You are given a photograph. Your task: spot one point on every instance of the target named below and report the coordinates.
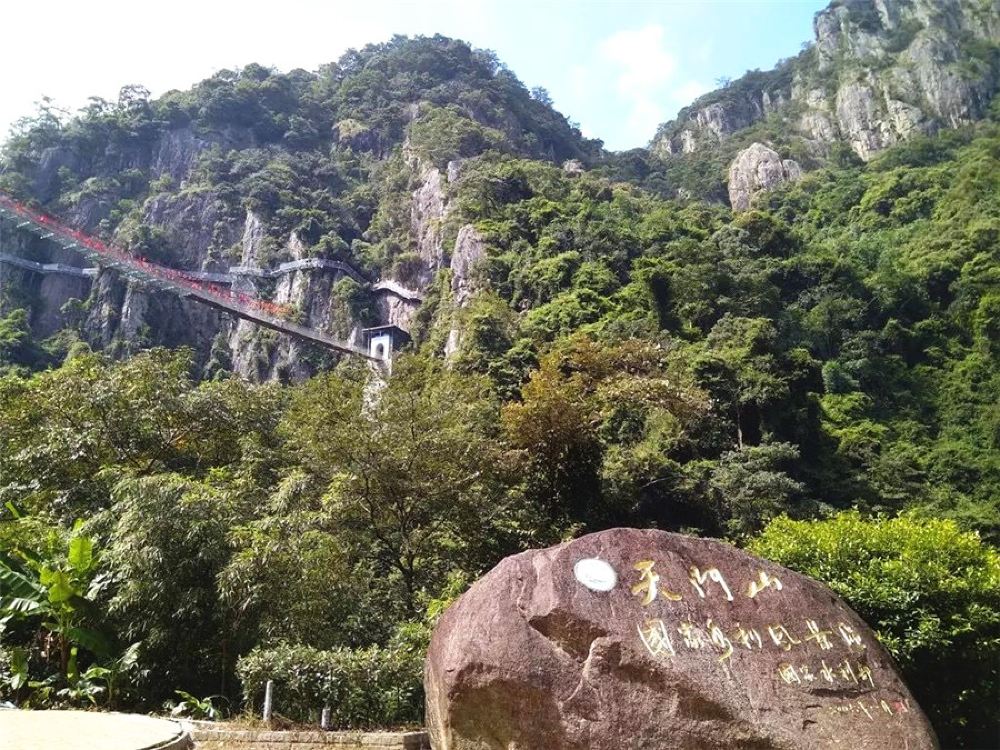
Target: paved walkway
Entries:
(83, 730)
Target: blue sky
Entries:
(616, 68)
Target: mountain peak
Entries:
(878, 72)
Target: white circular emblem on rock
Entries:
(595, 574)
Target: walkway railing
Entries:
(60, 268)
(177, 282)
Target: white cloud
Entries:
(640, 53)
(688, 92)
(644, 69)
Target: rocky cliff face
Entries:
(879, 72)
(470, 249)
(120, 316)
(252, 174)
(427, 213)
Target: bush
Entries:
(932, 595)
(369, 687)
(441, 135)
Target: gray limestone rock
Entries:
(176, 153)
(454, 169)
(426, 215)
(189, 221)
(252, 241)
(858, 117)
(469, 250)
(758, 168)
(880, 71)
(396, 311)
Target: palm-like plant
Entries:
(59, 592)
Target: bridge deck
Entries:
(60, 268)
(165, 279)
(233, 273)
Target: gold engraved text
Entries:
(699, 580)
(822, 637)
(649, 584)
(781, 637)
(656, 639)
(764, 581)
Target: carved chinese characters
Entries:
(643, 639)
(801, 668)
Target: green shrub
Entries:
(931, 593)
(370, 687)
(443, 134)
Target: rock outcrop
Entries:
(469, 251)
(427, 213)
(629, 639)
(326, 153)
(191, 222)
(758, 168)
(880, 71)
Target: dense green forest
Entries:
(817, 379)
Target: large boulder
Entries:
(644, 639)
(758, 168)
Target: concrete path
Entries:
(80, 730)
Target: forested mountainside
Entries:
(253, 168)
(593, 345)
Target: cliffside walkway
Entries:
(60, 268)
(234, 272)
(394, 287)
(181, 283)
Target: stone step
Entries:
(208, 736)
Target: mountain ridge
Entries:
(593, 345)
(878, 72)
(254, 167)
(375, 160)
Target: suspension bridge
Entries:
(205, 288)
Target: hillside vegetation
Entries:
(818, 378)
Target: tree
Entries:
(291, 578)
(594, 428)
(408, 470)
(57, 591)
(18, 351)
(553, 429)
(143, 415)
(443, 134)
(750, 486)
(133, 98)
(741, 370)
(541, 94)
(168, 543)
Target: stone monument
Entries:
(629, 639)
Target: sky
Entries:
(618, 69)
